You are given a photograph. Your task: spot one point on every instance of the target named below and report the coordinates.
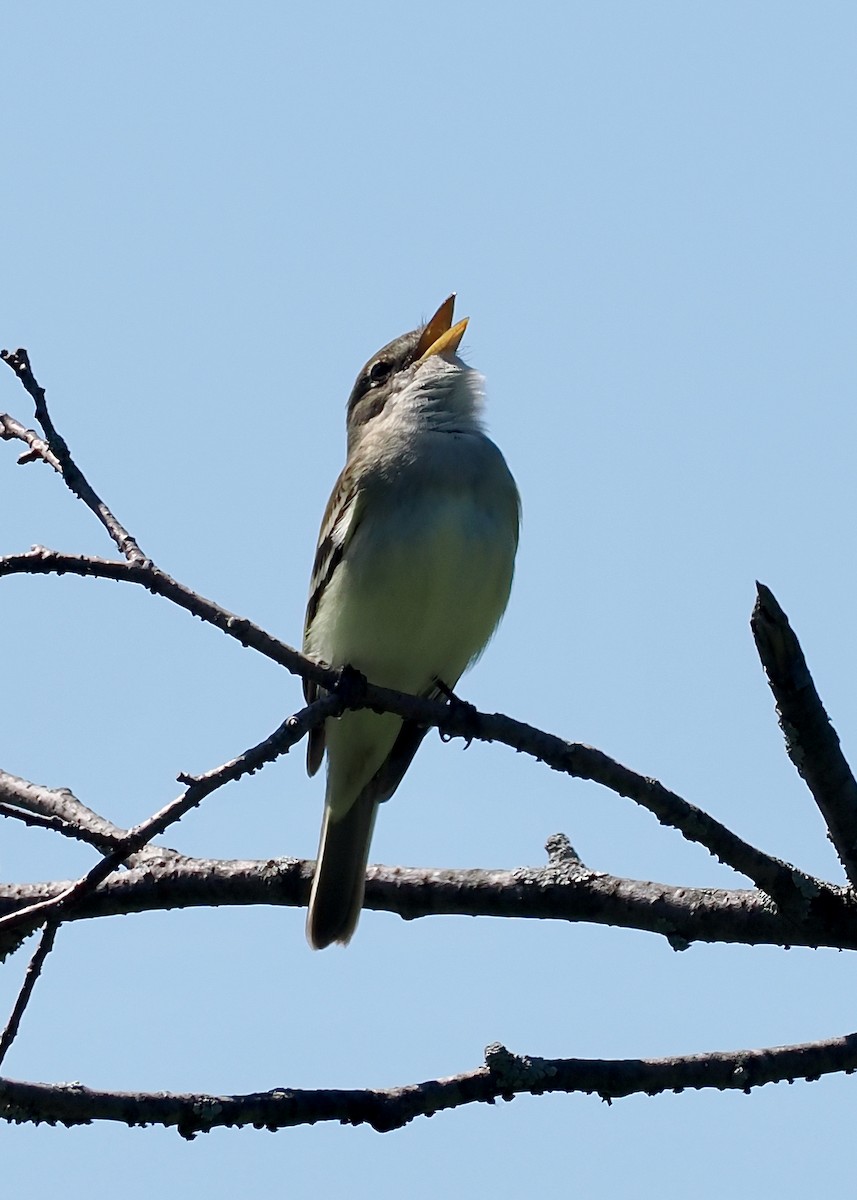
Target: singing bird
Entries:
(412, 574)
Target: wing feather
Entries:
(341, 518)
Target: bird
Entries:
(412, 574)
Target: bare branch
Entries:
(504, 1076)
(811, 740)
(46, 943)
(291, 731)
(559, 891)
(57, 907)
(59, 810)
(787, 886)
(12, 430)
(41, 561)
(54, 824)
(74, 478)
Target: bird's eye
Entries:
(379, 370)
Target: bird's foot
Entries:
(463, 710)
(350, 686)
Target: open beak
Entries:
(440, 336)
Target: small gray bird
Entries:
(412, 574)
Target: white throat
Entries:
(438, 395)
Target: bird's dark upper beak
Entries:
(439, 335)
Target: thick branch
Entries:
(682, 915)
(811, 740)
(504, 1076)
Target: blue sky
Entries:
(212, 215)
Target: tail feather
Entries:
(389, 775)
(340, 874)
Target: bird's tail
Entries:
(340, 873)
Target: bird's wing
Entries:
(340, 520)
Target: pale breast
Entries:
(426, 576)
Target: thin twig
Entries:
(811, 741)
(41, 561)
(59, 810)
(12, 430)
(74, 478)
(33, 821)
(32, 973)
(288, 734)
